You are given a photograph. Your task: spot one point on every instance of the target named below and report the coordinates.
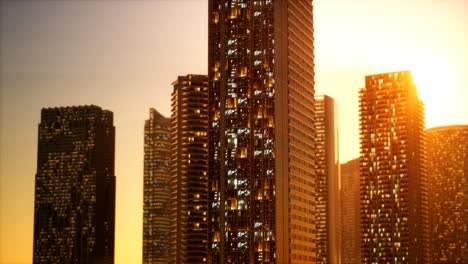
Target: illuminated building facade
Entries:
(394, 223)
(327, 181)
(156, 189)
(261, 132)
(447, 156)
(189, 184)
(75, 186)
(350, 213)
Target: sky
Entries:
(124, 55)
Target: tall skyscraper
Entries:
(392, 171)
(75, 186)
(350, 213)
(262, 136)
(189, 185)
(447, 156)
(156, 189)
(328, 212)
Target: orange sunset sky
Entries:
(124, 55)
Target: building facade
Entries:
(350, 213)
(261, 132)
(75, 186)
(189, 169)
(328, 209)
(394, 221)
(447, 156)
(156, 189)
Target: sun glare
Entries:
(431, 79)
(435, 81)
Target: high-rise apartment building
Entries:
(75, 186)
(447, 171)
(328, 212)
(189, 184)
(350, 213)
(156, 189)
(261, 132)
(392, 171)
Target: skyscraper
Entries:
(262, 136)
(328, 212)
(156, 189)
(189, 184)
(350, 213)
(392, 171)
(447, 156)
(75, 186)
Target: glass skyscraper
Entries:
(327, 181)
(261, 202)
(75, 186)
(350, 213)
(156, 189)
(392, 171)
(447, 167)
(189, 169)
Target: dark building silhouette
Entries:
(327, 181)
(350, 213)
(189, 173)
(394, 221)
(261, 132)
(75, 186)
(156, 189)
(447, 167)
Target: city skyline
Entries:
(63, 70)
